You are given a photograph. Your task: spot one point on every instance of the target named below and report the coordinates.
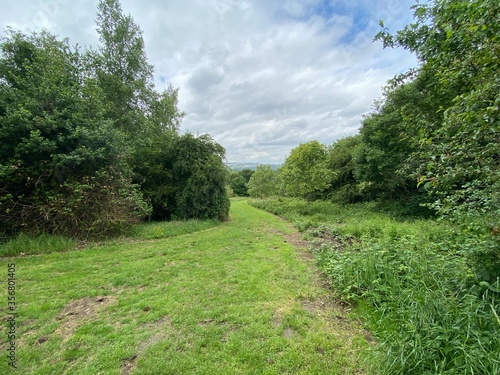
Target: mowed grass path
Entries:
(238, 298)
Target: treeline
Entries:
(428, 290)
(433, 138)
(88, 146)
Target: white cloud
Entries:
(259, 76)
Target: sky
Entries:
(259, 76)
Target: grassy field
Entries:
(240, 297)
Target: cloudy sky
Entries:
(260, 76)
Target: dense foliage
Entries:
(458, 43)
(63, 165)
(411, 282)
(238, 181)
(87, 146)
(430, 145)
(264, 182)
(304, 173)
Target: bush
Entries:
(94, 207)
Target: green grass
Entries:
(429, 292)
(46, 243)
(156, 230)
(43, 244)
(235, 298)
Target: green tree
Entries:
(264, 182)
(389, 135)
(247, 174)
(458, 43)
(340, 160)
(238, 181)
(304, 173)
(122, 69)
(126, 77)
(150, 119)
(238, 184)
(200, 178)
(185, 178)
(57, 150)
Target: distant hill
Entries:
(252, 166)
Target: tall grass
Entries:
(415, 284)
(24, 244)
(43, 244)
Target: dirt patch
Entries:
(296, 239)
(327, 307)
(128, 364)
(328, 235)
(81, 311)
(288, 333)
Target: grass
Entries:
(157, 230)
(429, 292)
(46, 243)
(43, 244)
(234, 298)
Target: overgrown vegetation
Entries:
(417, 284)
(88, 147)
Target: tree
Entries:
(458, 43)
(150, 119)
(57, 150)
(200, 179)
(238, 181)
(121, 67)
(247, 174)
(263, 182)
(185, 178)
(340, 160)
(304, 173)
(238, 184)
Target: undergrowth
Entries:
(427, 290)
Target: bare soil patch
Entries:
(81, 311)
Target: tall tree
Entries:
(340, 160)
(389, 135)
(458, 43)
(123, 71)
(57, 149)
